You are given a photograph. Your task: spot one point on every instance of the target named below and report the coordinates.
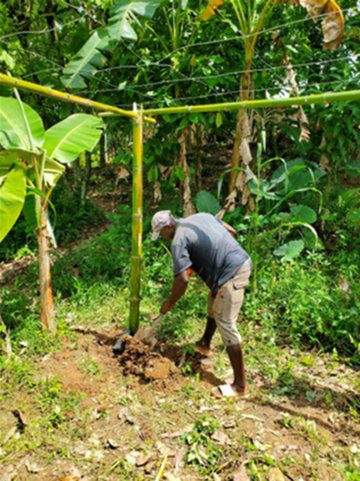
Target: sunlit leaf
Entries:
(13, 131)
(290, 250)
(12, 197)
(68, 138)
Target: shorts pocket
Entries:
(240, 284)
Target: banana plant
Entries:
(251, 16)
(123, 13)
(30, 166)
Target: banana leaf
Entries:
(24, 159)
(13, 132)
(67, 139)
(12, 197)
(89, 57)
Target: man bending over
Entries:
(207, 246)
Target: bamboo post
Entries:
(136, 243)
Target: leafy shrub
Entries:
(71, 216)
(16, 239)
(307, 304)
(341, 217)
(70, 219)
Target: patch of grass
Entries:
(89, 365)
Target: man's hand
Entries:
(166, 307)
(179, 287)
(229, 229)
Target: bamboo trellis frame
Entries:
(138, 118)
(57, 94)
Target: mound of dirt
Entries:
(138, 359)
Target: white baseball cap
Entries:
(160, 220)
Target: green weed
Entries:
(202, 450)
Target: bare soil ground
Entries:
(82, 413)
(151, 415)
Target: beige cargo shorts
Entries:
(225, 307)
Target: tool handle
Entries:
(158, 319)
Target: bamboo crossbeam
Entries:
(49, 92)
(136, 236)
(253, 104)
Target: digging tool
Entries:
(119, 346)
(142, 334)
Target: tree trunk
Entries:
(199, 144)
(85, 177)
(67, 185)
(82, 176)
(241, 148)
(77, 173)
(47, 311)
(103, 149)
(185, 192)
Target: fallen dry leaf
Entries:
(290, 447)
(251, 416)
(354, 449)
(142, 459)
(229, 424)
(149, 467)
(10, 434)
(219, 437)
(98, 455)
(21, 417)
(131, 459)
(32, 467)
(171, 477)
(276, 475)
(113, 443)
(179, 457)
(94, 439)
(128, 417)
(239, 475)
(72, 477)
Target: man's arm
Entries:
(179, 287)
(229, 228)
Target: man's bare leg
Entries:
(204, 343)
(237, 361)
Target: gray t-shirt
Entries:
(202, 243)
